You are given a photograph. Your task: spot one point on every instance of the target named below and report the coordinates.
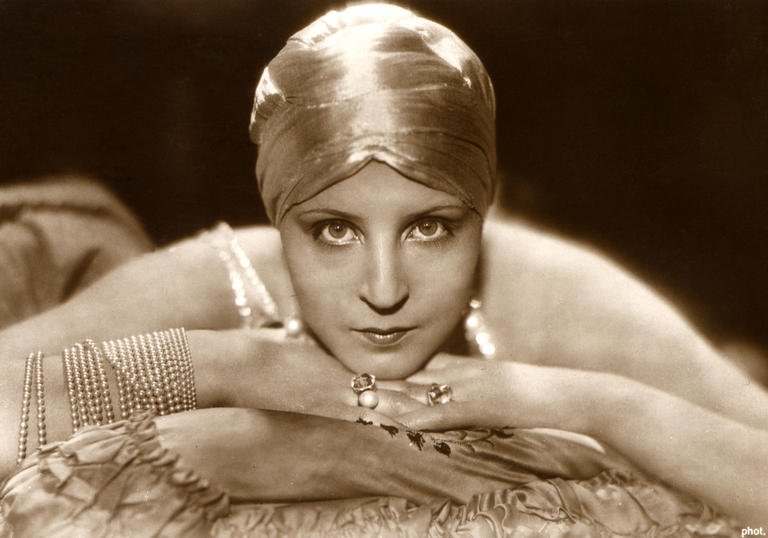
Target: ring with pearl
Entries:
(364, 385)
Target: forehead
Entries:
(378, 187)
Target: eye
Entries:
(336, 232)
(428, 230)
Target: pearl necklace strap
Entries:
(244, 280)
(476, 331)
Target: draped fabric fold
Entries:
(118, 480)
(58, 235)
(113, 480)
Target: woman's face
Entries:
(382, 268)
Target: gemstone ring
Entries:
(439, 394)
(364, 386)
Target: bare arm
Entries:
(553, 302)
(717, 459)
(57, 415)
(260, 369)
(720, 460)
(273, 457)
(184, 285)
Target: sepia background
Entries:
(638, 127)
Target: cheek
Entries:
(321, 282)
(442, 298)
(445, 278)
(319, 293)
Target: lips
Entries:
(383, 337)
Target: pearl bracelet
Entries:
(33, 370)
(42, 436)
(154, 371)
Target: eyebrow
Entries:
(349, 216)
(334, 212)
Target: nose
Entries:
(385, 287)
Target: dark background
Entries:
(639, 127)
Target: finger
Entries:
(393, 403)
(440, 417)
(413, 390)
(420, 392)
(398, 385)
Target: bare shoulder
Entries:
(550, 295)
(517, 255)
(525, 247)
(556, 302)
(262, 242)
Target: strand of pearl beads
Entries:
(476, 331)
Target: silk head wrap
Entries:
(374, 82)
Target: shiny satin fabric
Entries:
(374, 82)
(119, 480)
(58, 235)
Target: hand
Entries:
(498, 394)
(265, 369)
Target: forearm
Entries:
(209, 352)
(273, 456)
(269, 456)
(686, 365)
(718, 460)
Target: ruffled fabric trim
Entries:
(114, 480)
(613, 503)
(364, 517)
(117, 480)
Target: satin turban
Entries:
(374, 82)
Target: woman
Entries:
(377, 168)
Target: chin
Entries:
(384, 365)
